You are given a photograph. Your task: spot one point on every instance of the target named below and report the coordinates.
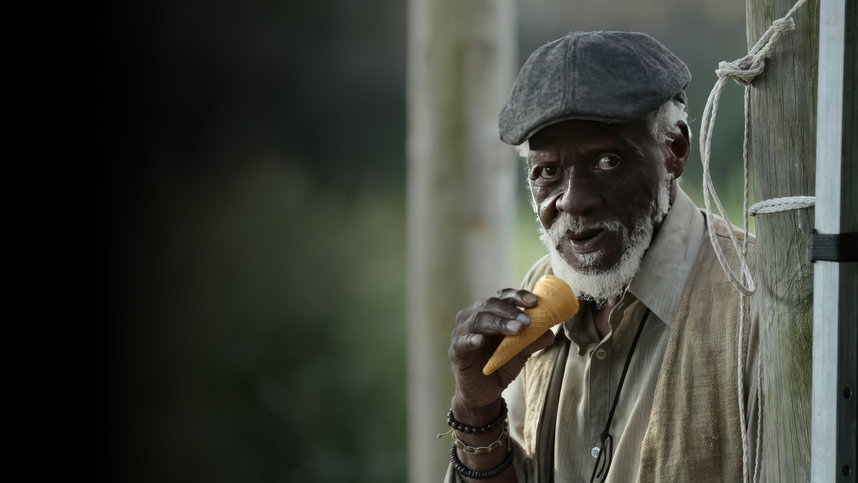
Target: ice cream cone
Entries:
(556, 303)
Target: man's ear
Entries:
(679, 149)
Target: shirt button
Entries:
(601, 354)
(595, 452)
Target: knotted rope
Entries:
(743, 71)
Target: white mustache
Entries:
(567, 223)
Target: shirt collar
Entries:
(664, 269)
(668, 261)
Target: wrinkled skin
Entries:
(599, 172)
(479, 330)
(593, 170)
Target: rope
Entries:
(782, 204)
(743, 71)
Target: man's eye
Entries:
(607, 163)
(548, 172)
(545, 172)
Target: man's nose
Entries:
(580, 196)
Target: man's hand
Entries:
(479, 330)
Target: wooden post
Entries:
(460, 195)
(782, 155)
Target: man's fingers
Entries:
(504, 308)
(465, 344)
(491, 324)
(491, 316)
(519, 297)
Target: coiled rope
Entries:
(743, 71)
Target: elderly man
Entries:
(654, 379)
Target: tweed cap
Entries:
(596, 76)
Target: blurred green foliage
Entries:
(266, 334)
(257, 183)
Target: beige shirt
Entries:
(578, 401)
(594, 365)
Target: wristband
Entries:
(475, 474)
(478, 429)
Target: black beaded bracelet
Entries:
(479, 475)
(477, 429)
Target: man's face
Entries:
(599, 190)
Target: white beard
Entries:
(604, 286)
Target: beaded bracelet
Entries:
(477, 429)
(475, 474)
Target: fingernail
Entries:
(523, 318)
(514, 326)
(530, 298)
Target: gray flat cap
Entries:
(596, 76)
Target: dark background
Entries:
(254, 235)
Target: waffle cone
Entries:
(557, 303)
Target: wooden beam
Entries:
(781, 151)
(460, 195)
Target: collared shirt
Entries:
(578, 404)
(594, 364)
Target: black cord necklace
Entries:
(607, 441)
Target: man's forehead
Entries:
(596, 76)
